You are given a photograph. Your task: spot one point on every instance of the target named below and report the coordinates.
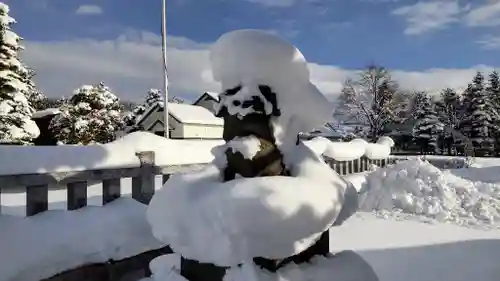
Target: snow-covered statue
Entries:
(267, 199)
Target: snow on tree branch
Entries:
(16, 126)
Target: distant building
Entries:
(208, 100)
(185, 122)
(42, 119)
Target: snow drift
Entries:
(417, 187)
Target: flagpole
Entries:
(165, 77)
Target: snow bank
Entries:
(376, 151)
(64, 158)
(169, 151)
(271, 217)
(419, 188)
(348, 151)
(317, 144)
(38, 247)
(118, 154)
(344, 151)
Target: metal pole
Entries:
(165, 77)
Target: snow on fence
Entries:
(36, 186)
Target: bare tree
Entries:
(371, 100)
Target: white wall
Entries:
(190, 131)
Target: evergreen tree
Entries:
(35, 97)
(16, 126)
(477, 121)
(448, 110)
(493, 92)
(153, 97)
(427, 128)
(92, 115)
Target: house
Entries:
(207, 100)
(42, 119)
(185, 121)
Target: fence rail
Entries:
(76, 183)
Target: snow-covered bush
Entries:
(92, 115)
(16, 126)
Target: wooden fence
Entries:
(143, 181)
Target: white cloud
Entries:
(131, 64)
(489, 42)
(485, 15)
(89, 10)
(274, 3)
(429, 16)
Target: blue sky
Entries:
(412, 37)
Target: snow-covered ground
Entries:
(398, 246)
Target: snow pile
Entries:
(317, 144)
(348, 151)
(169, 151)
(419, 188)
(345, 151)
(65, 158)
(250, 60)
(271, 217)
(114, 155)
(39, 247)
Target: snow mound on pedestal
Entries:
(418, 188)
(250, 58)
(227, 223)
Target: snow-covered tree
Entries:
(130, 119)
(16, 126)
(448, 110)
(35, 97)
(493, 92)
(477, 120)
(155, 96)
(369, 100)
(92, 115)
(427, 128)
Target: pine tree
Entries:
(427, 128)
(16, 126)
(448, 111)
(493, 92)
(477, 122)
(153, 97)
(35, 97)
(92, 115)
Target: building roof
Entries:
(186, 114)
(45, 113)
(210, 95)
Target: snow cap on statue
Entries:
(243, 54)
(249, 57)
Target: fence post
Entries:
(37, 197)
(77, 195)
(143, 184)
